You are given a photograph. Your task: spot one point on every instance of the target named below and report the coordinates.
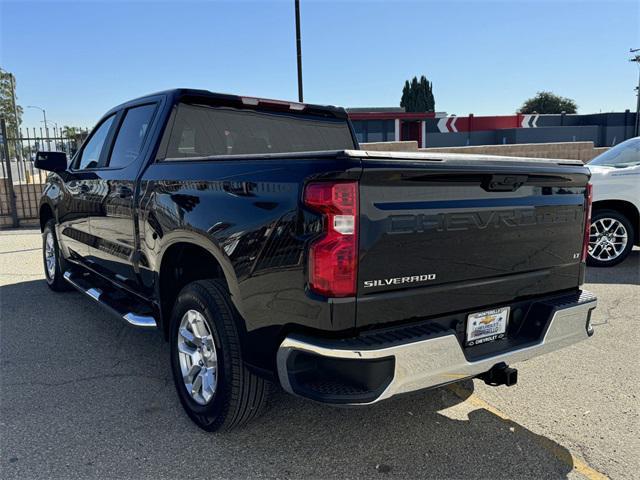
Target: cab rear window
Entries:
(204, 131)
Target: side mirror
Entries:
(51, 161)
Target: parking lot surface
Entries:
(84, 396)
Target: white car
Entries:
(615, 176)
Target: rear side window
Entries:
(201, 131)
(131, 135)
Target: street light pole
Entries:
(46, 127)
(44, 113)
(636, 59)
(299, 51)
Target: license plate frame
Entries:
(487, 326)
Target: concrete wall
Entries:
(410, 146)
(584, 151)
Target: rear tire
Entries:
(606, 221)
(210, 349)
(54, 264)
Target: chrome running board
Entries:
(82, 282)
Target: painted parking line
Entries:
(561, 454)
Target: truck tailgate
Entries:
(453, 233)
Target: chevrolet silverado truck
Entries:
(266, 247)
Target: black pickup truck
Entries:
(266, 247)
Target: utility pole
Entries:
(636, 59)
(299, 51)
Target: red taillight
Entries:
(587, 220)
(333, 258)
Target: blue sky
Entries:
(79, 59)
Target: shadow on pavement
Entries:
(627, 272)
(84, 395)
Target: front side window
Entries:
(131, 135)
(202, 131)
(90, 157)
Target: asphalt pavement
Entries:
(84, 396)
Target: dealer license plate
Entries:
(487, 326)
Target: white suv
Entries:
(615, 223)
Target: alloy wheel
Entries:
(198, 357)
(50, 255)
(607, 239)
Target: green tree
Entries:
(431, 100)
(406, 95)
(70, 132)
(76, 136)
(7, 108)
(417, 95)
(548, 102)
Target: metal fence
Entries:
(20, 182)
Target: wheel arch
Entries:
(627, 209)
(45, 214)
(187, 257)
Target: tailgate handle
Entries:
(504, 183)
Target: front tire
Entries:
(611, 238)
(52, 259)
(215, 388)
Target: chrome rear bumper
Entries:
(440, 360)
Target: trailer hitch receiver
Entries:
(500, 374)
